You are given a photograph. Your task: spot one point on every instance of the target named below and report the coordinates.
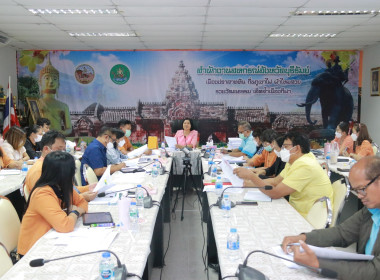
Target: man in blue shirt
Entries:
(95, 154)
(248, 146)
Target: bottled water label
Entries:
(231, 245)
(226, 206)
(106, 274)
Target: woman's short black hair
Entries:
(344, 127)
(58, 171)
(280, 141)
(32, 129)
(117, 132)
(191, 123)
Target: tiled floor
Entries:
(184, 258)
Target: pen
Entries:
(292, 244)
(103, 225)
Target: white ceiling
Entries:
(190, 24)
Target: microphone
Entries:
(162, 168)
(138, 169)
(148, 201)
(220, 198)
(246, 272)
(120, 271)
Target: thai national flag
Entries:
(10, 118)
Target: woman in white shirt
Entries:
(13, 145)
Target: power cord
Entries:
(133, 275)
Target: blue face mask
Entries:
(128, 132)
(268, 148)
(241, 136)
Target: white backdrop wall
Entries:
(8, 68)
(370, 106)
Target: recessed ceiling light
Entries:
(101, 34)
(302, 35)
(73, 11)
(335, 13)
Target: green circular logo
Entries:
(120, 74)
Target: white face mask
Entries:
(109, 145)
(38, 138)
(121, 143)
(354, 136)
(285, 154)
(277, 153)
(338, 134)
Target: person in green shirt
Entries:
(303, 179)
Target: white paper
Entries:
(330, 253)
(10, 172)
(256, 195)
(106, 200)
(138, 152)
(171, 141)
(2, 178)
(278, 251)
(228, 173)
(231, 159)
(105, 181)
(132, 162)
(211, 188)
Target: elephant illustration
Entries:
(336, 100)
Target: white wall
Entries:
(370, 107)
(8, 68)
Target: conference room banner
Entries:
(82, 90)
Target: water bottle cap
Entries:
(225, 196)
(233, 230)
(133, 203)
(139, 186)
(219, 178)
(106, 255)
(328, 157)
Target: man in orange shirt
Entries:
(53, 141)
(126, 127)
(268, 156)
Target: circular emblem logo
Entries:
(120, 74)
(84, 74)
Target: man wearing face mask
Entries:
(114, 155)
(268, 156)
(126, 127)
(303, 179)
(95, 155)
(248, 146)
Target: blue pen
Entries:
(103, 225)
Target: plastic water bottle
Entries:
(106, 266)
(233, 245)
(154, 171)
(82, 146)
(212, 153)
(226, 206)
(134, 217)
(214, 171)
(163, 153)
(328, 163)
(24, 168)
(218, 186)
(139, 197)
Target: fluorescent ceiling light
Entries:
(101, 34)
(335, 12)
(73, 11)
(302, 35)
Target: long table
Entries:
(139, 252)
(260, 227)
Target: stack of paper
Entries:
(234, 143)
(256, 196)
(234, 159)
(171, 141)
(10, 172)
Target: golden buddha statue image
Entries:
(51, 108)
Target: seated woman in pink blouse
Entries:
(186, 137)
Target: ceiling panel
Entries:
(177, 27)
(95, 28)
(162, 11)
(218, 28)
(232, 20)
(259, 3)
(34, 27)
(167, 34)
(173, 3)
(165, 20)
(249, 11)
(14, 11)
(19, 19)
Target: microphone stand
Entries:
(220, 198)
(148, 201)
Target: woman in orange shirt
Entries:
(52, 202)
(345, 142)
(363, 146)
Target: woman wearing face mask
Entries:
(344, 140)
(114, 155)
(13, 147)
(33, 136)
(186, 137)
(276, 168)
(362, 140)
(268, 156)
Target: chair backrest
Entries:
(9, 225)
(375, 148)
(90, 175)
(26, 192)
(320, 214)
(5, 260)
(340, 196)
(77, 176)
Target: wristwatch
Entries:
(75, 212)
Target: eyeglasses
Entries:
(362, 191)
(286, 145)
